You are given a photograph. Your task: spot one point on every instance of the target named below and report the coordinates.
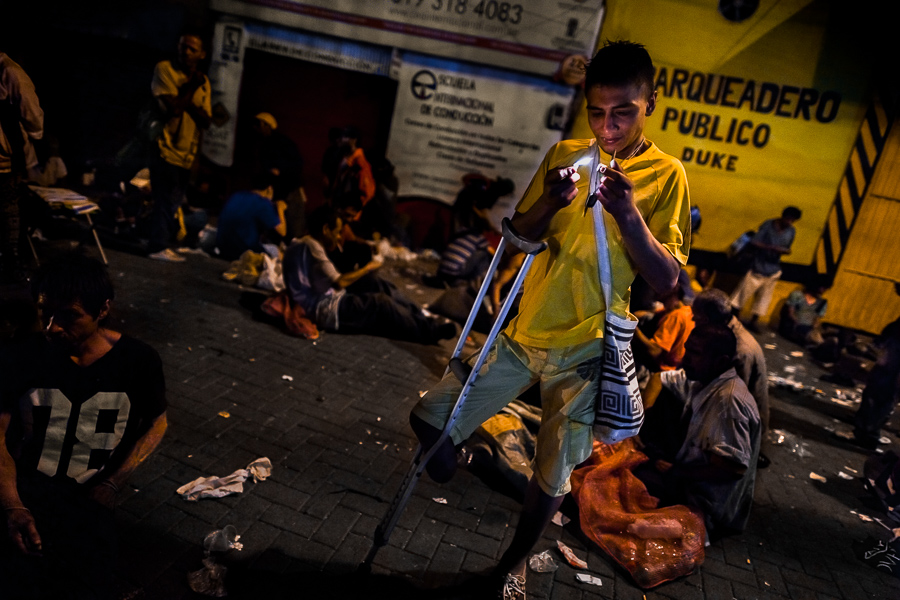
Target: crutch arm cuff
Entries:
(527, 246)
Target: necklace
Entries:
(637, 149)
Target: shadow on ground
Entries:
(252, 583)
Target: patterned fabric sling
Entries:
(619, 410)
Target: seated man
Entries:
(81, 406)
(801, 314)
(666, 348)
(246, 216)
(712, 306)
(715, 467)
(468, 255)
(331, 301)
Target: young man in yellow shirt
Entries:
(184, 96)
(557, 338)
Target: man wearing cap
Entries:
(278, 155)
(184, 95)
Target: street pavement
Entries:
(331, 415)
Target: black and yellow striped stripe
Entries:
(852, 190)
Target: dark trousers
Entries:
(879, 397)
(10, 224)
(78, 540)
(377, 308)
(168, 184)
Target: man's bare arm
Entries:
(145, 445)
(184, 102)
(658, 267)
(348, 279)
(20, 524)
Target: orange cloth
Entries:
(653, 544)
(366, 179)
(671, 334)
(295, 320)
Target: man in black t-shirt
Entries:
(80, 408)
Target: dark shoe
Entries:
(445, 331)
(838, 379)
(435, 282)
(763, 461)
(850, 438)
(884, 556)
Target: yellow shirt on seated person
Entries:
(563, 303)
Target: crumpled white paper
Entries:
(218, 487)
(586, 578)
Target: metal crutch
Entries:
(466, 376)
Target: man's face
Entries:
(616, 115)
(333, 236)
(190, 51)
(699, 319)
(263, 128)
(68, 325)
(697, 364)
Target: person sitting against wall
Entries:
(802, 313)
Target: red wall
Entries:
(307, 99)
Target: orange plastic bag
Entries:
(653, 544)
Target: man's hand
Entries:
(663, 466)
(616, 191)
(195, 81)
(559, 186)
(559, 191)
(22, 531)
(104, 495)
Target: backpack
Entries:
(741, 253)
(138, 151)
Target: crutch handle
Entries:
(527, 246)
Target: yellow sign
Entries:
(763, 112)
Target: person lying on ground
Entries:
(357, 302)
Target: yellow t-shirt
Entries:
(181, 137)
(563, 303)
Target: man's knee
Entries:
(442, 465)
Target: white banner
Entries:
(341, 54)
(452, 119)
(225, 71)
(526, 35)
